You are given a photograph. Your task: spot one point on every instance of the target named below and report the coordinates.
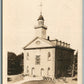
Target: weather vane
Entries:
(41, 7)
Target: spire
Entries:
(41, 16)
(41, 28)
(41, 7)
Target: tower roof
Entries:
(41, 17)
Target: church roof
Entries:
(44, 40)
(46, 43)
(41, 17)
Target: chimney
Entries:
(48, 38)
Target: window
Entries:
(27, 56)
(37, 42)
(49, 56)
(32, 71)
(27, 69)
(48, 68)
(37, 59)
(48, 71)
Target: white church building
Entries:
(41, 54)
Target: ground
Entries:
(19, 80)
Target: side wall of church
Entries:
(63, 62)
(39, 62)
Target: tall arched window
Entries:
(33, 71)
(27, 56)
(49, 56)
(48, 72)
(27, 70)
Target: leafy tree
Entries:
(15, 63)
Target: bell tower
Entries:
(40, 29)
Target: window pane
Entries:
(27, 69)
(27, 56)
(38, 59)
(49, 56)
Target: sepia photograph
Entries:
(42, 42)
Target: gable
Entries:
(38, 42)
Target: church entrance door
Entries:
(42, 72)
(32, 71)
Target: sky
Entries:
(62, 17)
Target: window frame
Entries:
(48, 71)
(37, 60)
(27, 70)
(27, 56)
(49, 56)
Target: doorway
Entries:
(42, 71)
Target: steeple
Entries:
(41, 5)
(41, 28)
(41, 18)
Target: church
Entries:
(47, 58)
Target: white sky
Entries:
(63, 18)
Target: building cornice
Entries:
(48, 48)
(40, 27)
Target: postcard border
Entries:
(83, 39)
(0, 41)
(1, 8)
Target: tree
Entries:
(15, 63)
